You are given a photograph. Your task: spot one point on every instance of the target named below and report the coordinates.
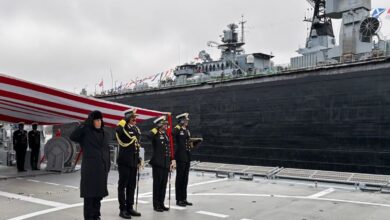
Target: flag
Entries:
(29, 102)
(377, 12)
(388, 14)
(166, 74)
(120, 86)
(129, 84)
(156, 76)
(101, 83)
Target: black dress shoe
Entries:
(188, 203)
(125, 215)
(164, 208)
(96, 218)
(158, 209)
(132, 212)
(181, 203)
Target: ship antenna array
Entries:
(242, 23)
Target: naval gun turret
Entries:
(357, 34)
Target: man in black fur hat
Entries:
(95, 164)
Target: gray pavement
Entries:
(57, 197)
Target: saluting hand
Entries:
(173, 165)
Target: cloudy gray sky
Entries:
(71, 44)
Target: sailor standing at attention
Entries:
(182, 136)
(161, 162)
(34, 143)
(128, 137)
(20, 146)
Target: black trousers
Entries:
(34, 158)
(183, 169)
(20, 157)
(126, 186)
(92, 208)
(160, 179)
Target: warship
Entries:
(327, 110)
(280, 142)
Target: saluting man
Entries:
(20, 146)
(34, 143)
(161, 162)
(128, 137)
(182, 136)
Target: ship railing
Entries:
(275, 70)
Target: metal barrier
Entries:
(364, 181)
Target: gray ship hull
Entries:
(330, 118)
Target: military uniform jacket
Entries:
(20, 140)
(181, 138)
(161, 149)
(34, 140)
(128, 137)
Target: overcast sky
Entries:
(71, 44)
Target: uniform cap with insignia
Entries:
(161, 121)
(130, 113)
(184, 116)
(21, 125)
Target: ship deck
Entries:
(56, 196)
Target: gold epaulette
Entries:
(122, 123)
(178, 127)
(154, 131)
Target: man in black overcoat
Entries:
(95, 164)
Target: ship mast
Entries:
(242, 23)
(321, 34)
(321, 24)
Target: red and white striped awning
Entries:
(29, 102)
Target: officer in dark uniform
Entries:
(128, 137)
(161, 162)
(20, 146)
(182, 136)
(34, 143)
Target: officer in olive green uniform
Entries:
(182, 136)
(161, 162)
(128, 137)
